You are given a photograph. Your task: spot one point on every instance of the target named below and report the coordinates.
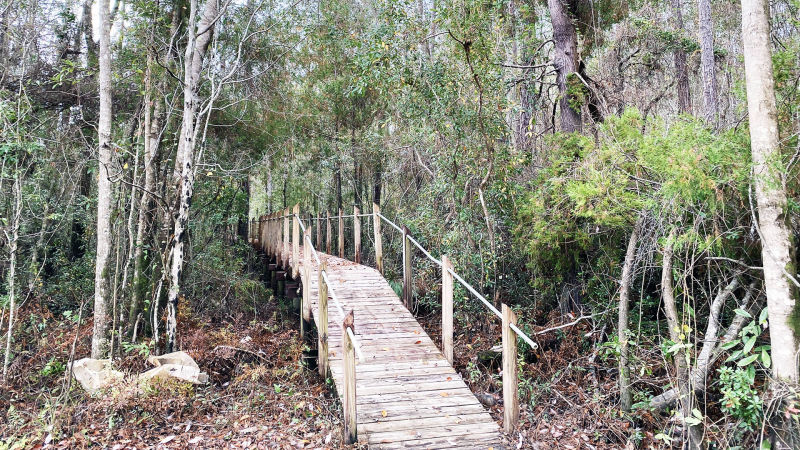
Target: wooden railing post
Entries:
(341, 234)
(275, 235)
(318, 244)
(285, 250)
(357, 235)
(265, 233)
(295, 262)
(307, 274)
(268, 235)
(349, 401)
(328, 232)
(510, 381)
(447, 309)
(408, 294)
(376, 222)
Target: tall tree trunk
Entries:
(565, 37)
(777, 248)
(681, 68)
(707, 62)
(695, 432)
(624, 308)
(196, 48)
(13, 242)
(101, 281)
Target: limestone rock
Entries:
(94, 374)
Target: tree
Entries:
(681, 68)
(565, 37)
(677, 333)
(196, 48)
(622, 327)
(101, 278)
(777, 249)
(710, 112)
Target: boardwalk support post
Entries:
(510, 380)
(295, 263)
(341, 233)
(322, 335)
(447, 309)
(349, 403)
(285, 250)
(357, 235)
(408, 295)
(376, 221)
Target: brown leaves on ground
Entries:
(259, 396)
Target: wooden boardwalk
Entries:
(407, 394)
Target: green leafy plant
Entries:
(53, 367)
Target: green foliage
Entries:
(586, 199)
(740, 397)
(52, 368)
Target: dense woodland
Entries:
(623, 174)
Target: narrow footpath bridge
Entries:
(398, 390)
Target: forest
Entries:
(617, 180)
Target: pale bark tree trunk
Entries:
(707, 62)
(777, 249)
(152, 157)
(196, 48)
(565, 61)
(681, 68)
(13, 241)
(694, 433)
(624, 309)
(101, 281)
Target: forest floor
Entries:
(261, 396)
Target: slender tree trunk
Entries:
(681, 68)
(624, 308)
(101, 281)
(695, 433)
(196, 48)
(777, 246)
(565, 61)
(707, 62)
(12, 269)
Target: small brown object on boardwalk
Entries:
(510, 400)
(349, 321)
